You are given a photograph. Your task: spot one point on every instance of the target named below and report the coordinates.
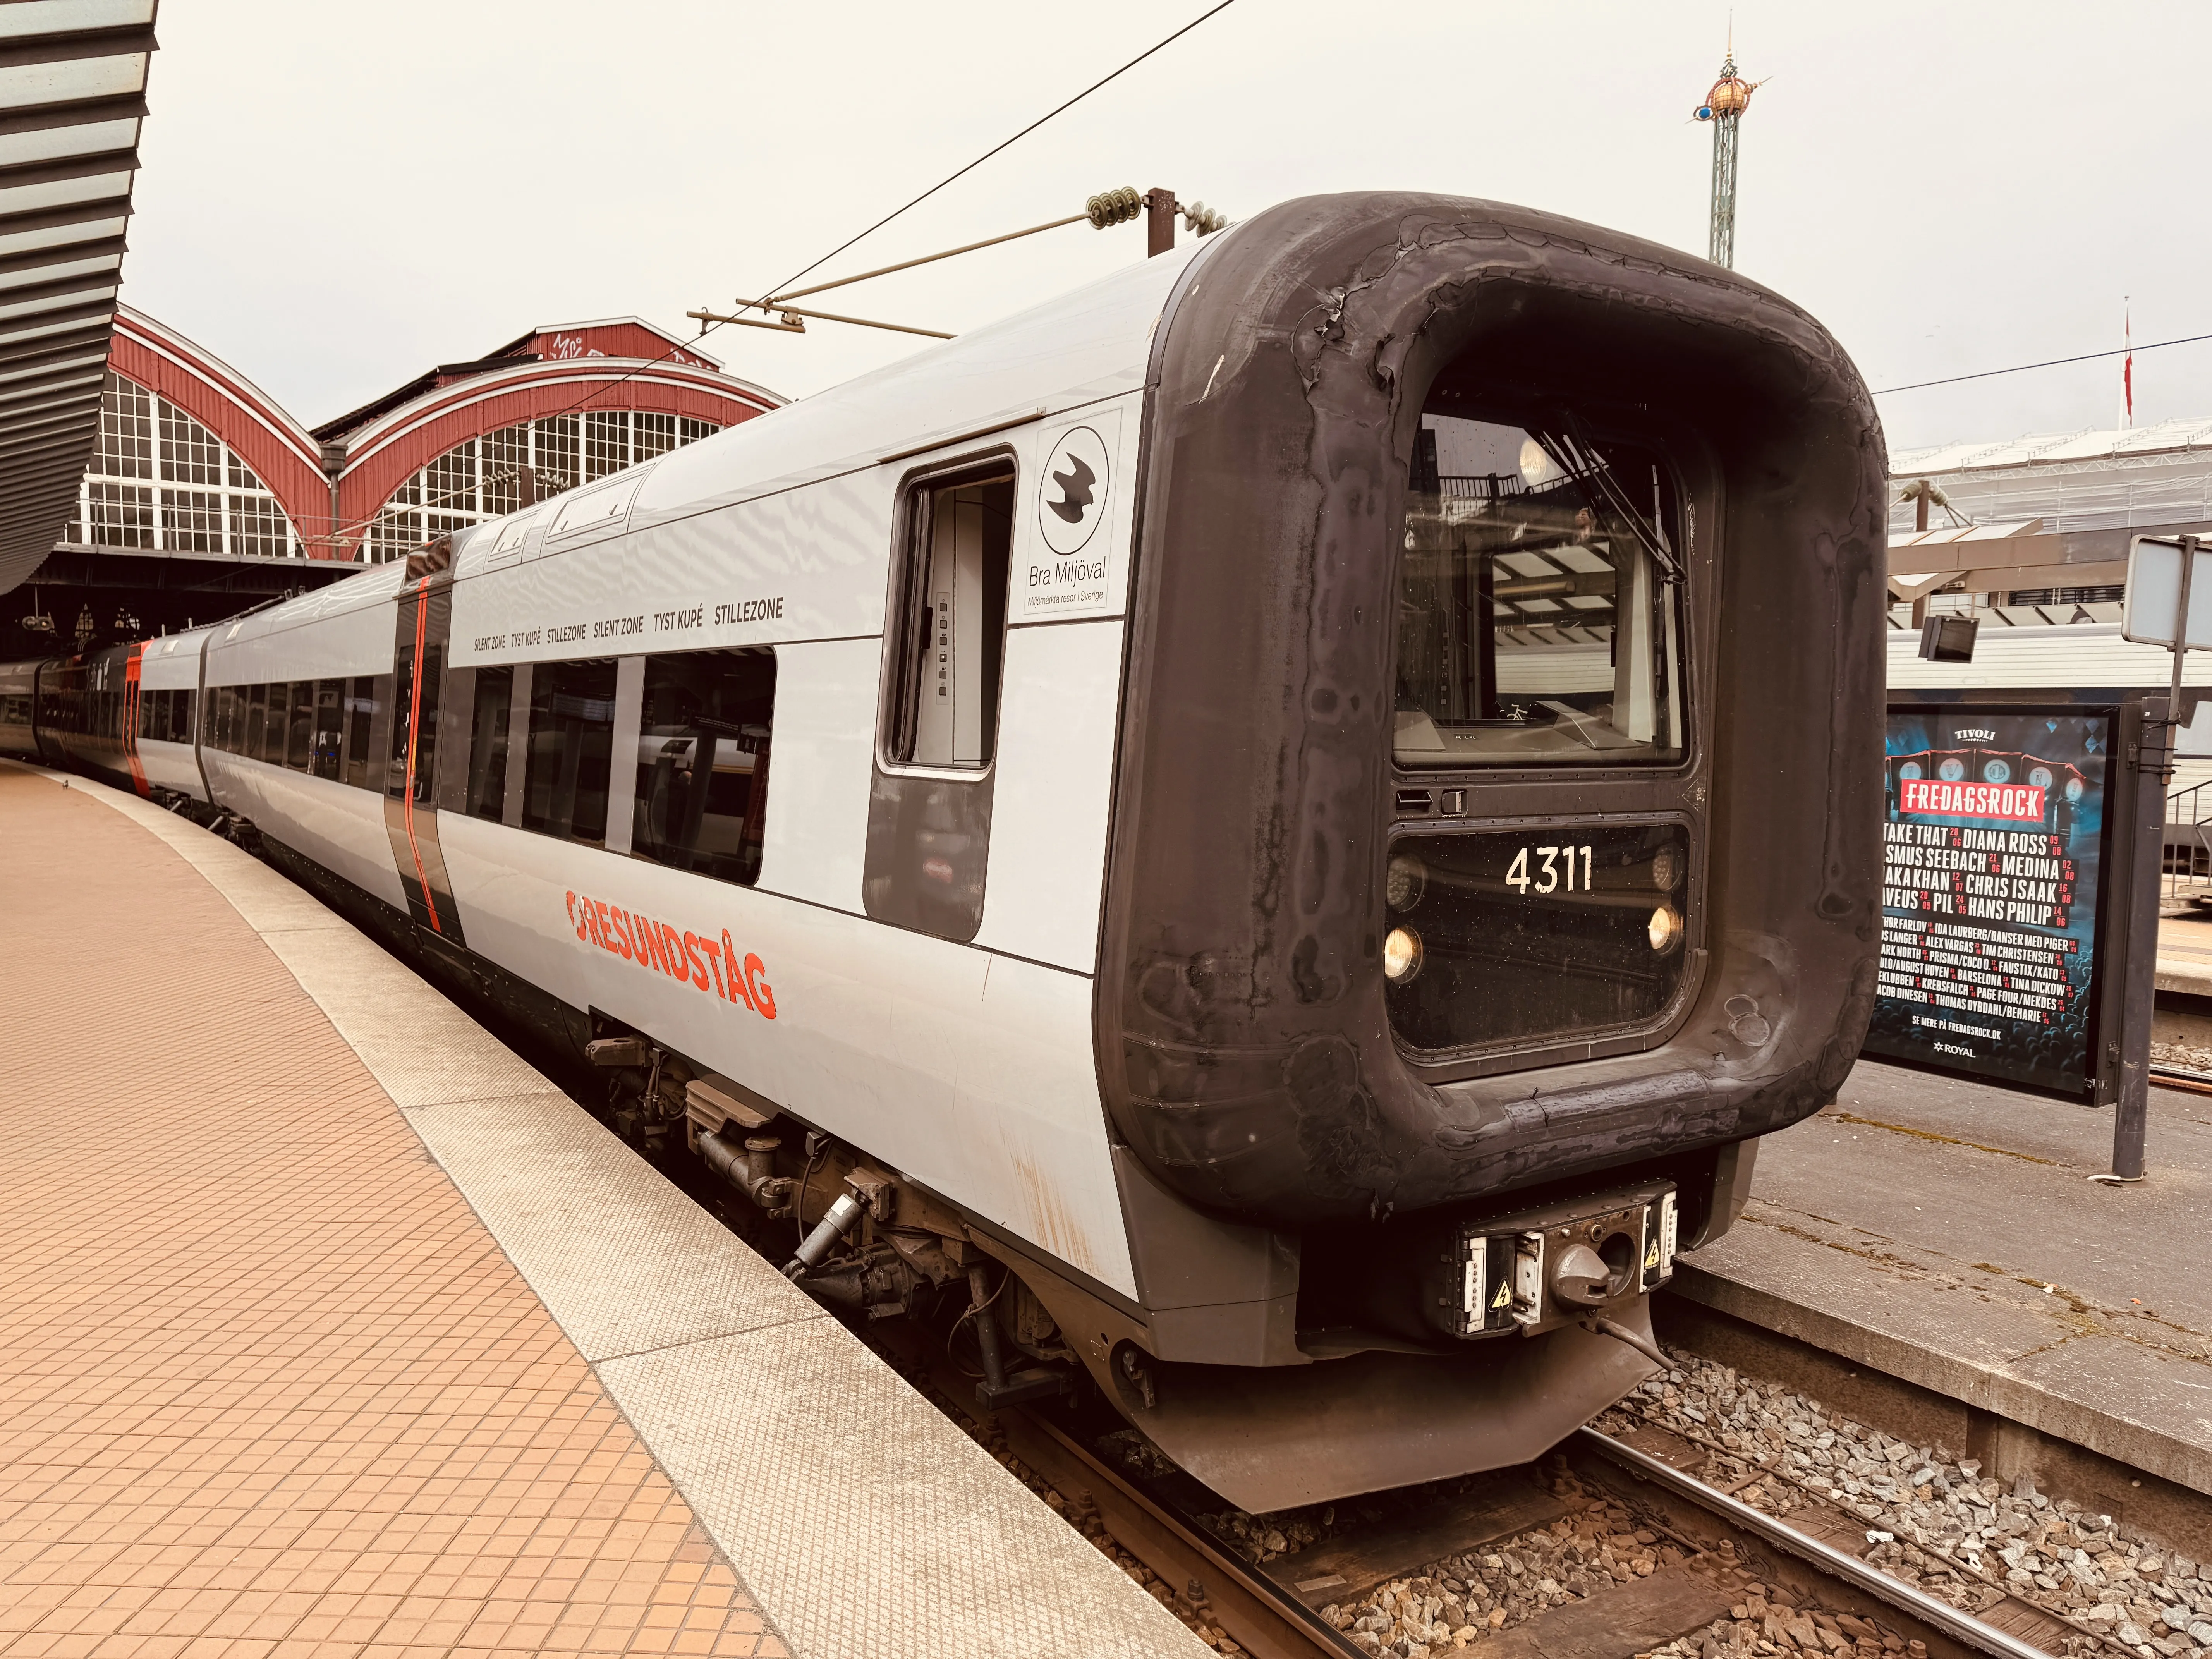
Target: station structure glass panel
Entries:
(161, 480)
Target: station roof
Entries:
(608, 336)
(72, 97)
(2054, 448)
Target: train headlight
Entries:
(1401, 955)
(1666, 870)
(1666, 930)
(1404, 882)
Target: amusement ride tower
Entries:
(1725, 106)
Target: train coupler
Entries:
(1538, 1268)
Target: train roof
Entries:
(1079, 347)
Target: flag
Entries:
(2128, 367)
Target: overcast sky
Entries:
(335, 198)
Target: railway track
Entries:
(1719, 1558)
(2181, 1077)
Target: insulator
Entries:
(1203, 219)
(1113, 207)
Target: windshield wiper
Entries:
(1592, 476)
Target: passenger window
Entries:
(257, 719)
(703, 758)
(487, 790)
(330, 731)
(360, 713)
(571, 726)
(300, 747)
(951, 626)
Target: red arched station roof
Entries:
(269, 440)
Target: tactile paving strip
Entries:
(267, 1386)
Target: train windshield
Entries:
(1539, 601)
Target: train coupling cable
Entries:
(1620, 1333)
(1959, 1626)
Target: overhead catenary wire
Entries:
(2051, 362)
(950, 178)
(337, 533)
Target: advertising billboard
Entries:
(1993, 845)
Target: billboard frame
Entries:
(2128, 711)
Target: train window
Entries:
(952, 611)
(360, 713)
(330, 697)
(414, 706)
(702, 755)
(257, 719)
(571, 758)
(299, 743)
(487, 777)
(1540, 600)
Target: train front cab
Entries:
(1495, 845)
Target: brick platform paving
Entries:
(267, 1386)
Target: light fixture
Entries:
(1666, 930)
(1537, 466)
(1401, 955)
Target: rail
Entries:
(1915, 1604)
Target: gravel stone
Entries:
(1932, 1520)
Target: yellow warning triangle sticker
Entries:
(1651, 1255)
(1504, 1297)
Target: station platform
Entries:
(2184, 954)
(329, 1327)
(1930, 1255)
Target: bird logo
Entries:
(1075, 485)
(1074, 494)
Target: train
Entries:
(1260, 840)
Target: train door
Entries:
(929, 811)
(411, 810)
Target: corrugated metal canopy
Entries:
(72, 94)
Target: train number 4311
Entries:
(1557, 870)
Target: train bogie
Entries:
(1294, 810)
